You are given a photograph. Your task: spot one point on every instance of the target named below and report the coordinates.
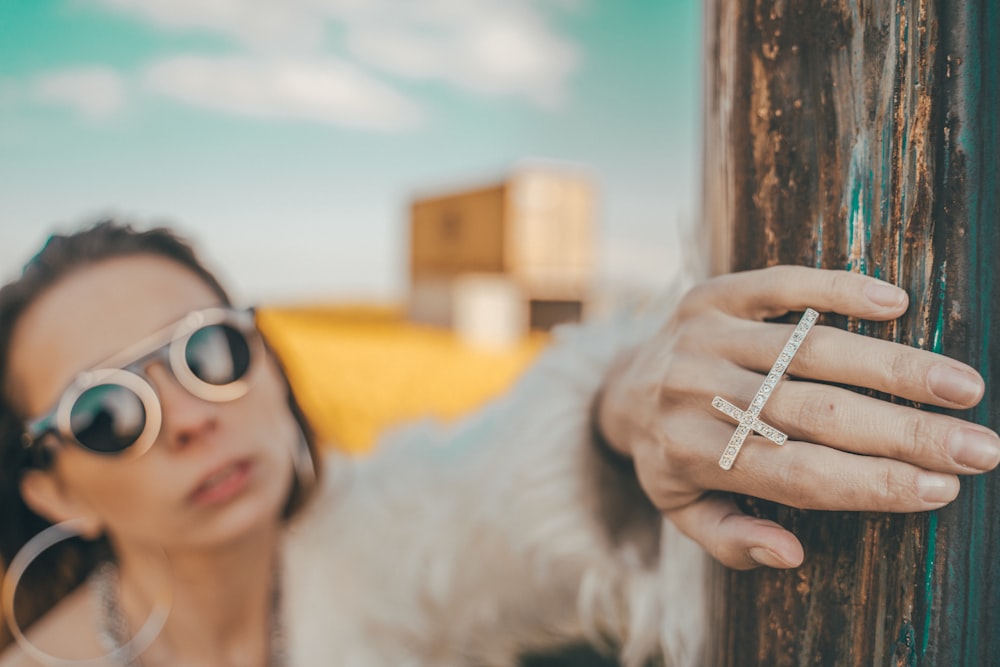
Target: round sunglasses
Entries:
(113, 408)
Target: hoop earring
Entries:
(124, 654)
(305, 467)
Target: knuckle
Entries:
(683, 379)
(730, 554)
(814, 414)
(665, 473)
(807, 360)
(839, 283)
(692, 462)
(721, 539)
(694, 332)
(705, 289)
(682, 461)
(918, 434)
(889, 489)
(795, 490)
(649, 472)
(900, 368)
(698, 296)
(686, 335)
(675, 379)
(716, 545)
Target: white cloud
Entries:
(491, 47)
(320, 89)
(96, 92)
(258, 23)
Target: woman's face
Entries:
(217, 471)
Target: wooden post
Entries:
(865, 135)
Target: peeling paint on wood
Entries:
(865, 135)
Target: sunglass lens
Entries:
(218, 354)
(108, 418)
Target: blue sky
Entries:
(287, 137)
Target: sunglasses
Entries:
(113, 409)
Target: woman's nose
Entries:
(186, 418)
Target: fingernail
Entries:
(885, 295)
(934, 488)
(955, 385)
(974, 449)
(768, 558)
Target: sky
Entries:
(288, 137)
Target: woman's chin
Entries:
(254, 512)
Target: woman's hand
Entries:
(845, 451)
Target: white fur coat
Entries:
(475, 543)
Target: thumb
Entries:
(735, 539)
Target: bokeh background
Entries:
(289, 138)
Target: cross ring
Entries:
(749, 419)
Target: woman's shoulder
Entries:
(69, 630)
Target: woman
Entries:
(139, 405)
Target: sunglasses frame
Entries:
(127, 369)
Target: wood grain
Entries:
(864, 136)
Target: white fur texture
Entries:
(473, 544)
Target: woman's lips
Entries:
(223, 484)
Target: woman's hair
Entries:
(64, 566)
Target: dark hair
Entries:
(63, 567)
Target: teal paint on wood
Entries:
(865, 135)
(971, 612)
(929, 573)
(905, 653)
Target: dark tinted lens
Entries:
(107, 418)
(218, 354)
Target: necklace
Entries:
(114, 632)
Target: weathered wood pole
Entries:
(866, 135)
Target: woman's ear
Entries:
(45, 494)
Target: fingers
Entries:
(864, 425)
(832, 355)
(851, 422)
(736, 540)
(810, 476)
(846, 451)
(799, 474)
(771, 292)
(824, 415)
(828, 354)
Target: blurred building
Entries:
(494, 261)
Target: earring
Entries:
(123, 654)
(305, 467)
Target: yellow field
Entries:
(358, 370)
